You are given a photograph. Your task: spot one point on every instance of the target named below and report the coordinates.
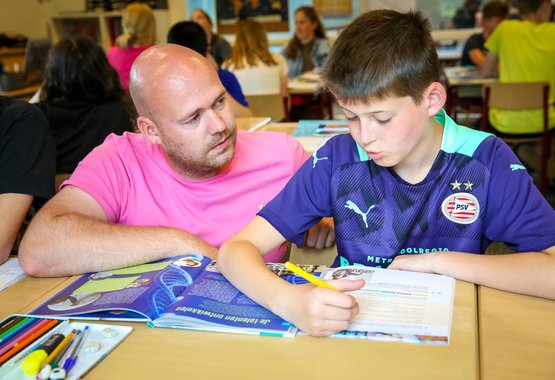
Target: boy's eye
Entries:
(383, 122)
(352, 119)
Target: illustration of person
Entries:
(140, 282)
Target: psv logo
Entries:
(461, 208)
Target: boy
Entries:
(474, 52)
(406, 180)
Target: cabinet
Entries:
(102, 27)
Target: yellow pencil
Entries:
(307, 276)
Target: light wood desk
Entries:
(464, 88)
(23, 93)
(25, 292)
(517, 337)
(165, 353)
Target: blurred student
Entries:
(82, 99)
(217, 45)
(474, 52)
(524, 51)
(139, 33)
(191, 35)
(465, 16)
(408, 188)
(27, 164)
(258, 70)
(309, 47)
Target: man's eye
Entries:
(220, 102)
(193, 119)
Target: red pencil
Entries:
(36, 331)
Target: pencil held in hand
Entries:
(307, 276)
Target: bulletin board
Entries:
(273, 14)
(331, 8)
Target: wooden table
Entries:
(25, 292)
(517, 337)
(165, 353)
(308, 98)
(23, 93)
(464, 88)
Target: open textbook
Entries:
(188, 292)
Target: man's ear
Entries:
(149, 129)
(435, 97)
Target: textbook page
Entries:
(10, 273)
(399, 305)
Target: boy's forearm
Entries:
(241, 263)
(73, 244)
(531, 273)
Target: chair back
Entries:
(521, 96)
(273, 106)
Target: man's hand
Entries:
(322, 235)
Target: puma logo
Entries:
(352, 206)
(315, 159)
(517, 167)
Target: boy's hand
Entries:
(414, 263)
(319, 311)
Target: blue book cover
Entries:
(186, 292)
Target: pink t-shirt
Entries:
(134, 184)
(122, 59)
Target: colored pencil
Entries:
(31, 335)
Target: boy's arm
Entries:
(71, 235)
(489, 69)
(317, 311)
(13, 208)
(531, 273)
(477, 57)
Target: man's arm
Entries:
(315, 310)
(71, 235)
(531, 273)
(489, 68)
(13, 209)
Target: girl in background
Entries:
(139, 33)
(217, 45)
(259, 72)
(82, 99)
(309, 48)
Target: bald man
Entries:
(186, 183)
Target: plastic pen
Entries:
(74, 355)
(307, 276)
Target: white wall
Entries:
(27, 17)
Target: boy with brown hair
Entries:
(408, 188)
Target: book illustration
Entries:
(183, 292)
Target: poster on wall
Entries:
(273, 14)
(331, 8)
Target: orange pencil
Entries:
(37, 331)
